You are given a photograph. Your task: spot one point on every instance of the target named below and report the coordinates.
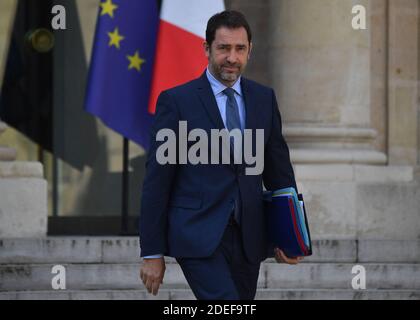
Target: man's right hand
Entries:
(151, 273)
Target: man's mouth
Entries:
(230, 69)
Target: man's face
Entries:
(228, 54)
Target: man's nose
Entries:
(232, 57)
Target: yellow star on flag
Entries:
(135, 61)
(108, 8)
(115, 38)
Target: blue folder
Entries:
(287, 222)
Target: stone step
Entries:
(126, 249)
(186, 294)
(121, 276)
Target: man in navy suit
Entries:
(210, 216)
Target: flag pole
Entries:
(125, 191)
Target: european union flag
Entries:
(122, 65)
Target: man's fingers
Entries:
(141, 275)
(278, 257)
(151, 273)
(155, 287)
(281, 257)
(287, 259)
(151, 283)
(148, 284)
(144, 277)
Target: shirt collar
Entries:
(218, 87)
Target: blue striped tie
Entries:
(232, 110)
(233, 121)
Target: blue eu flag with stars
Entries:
(121, 67)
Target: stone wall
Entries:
(349, 101)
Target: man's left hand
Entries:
(282, 258)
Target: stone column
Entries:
(403, 82)
(321, 70)
(23, 196)
(348, 101)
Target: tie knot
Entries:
(229, 92)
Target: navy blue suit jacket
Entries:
(185, 208)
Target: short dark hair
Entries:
(230, 19)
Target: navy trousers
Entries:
(226, 274)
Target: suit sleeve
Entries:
(157, 183)
(278, 171)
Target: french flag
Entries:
(179, 54)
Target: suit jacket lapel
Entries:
(209, 101)
(251, 115)
(250, 105)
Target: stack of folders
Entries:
(287, 222)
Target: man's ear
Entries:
(206, 48)
(250, 49)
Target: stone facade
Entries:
(350, 106)
(349, 100)
(23, 189)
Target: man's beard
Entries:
(229, 76)
(224, 75)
